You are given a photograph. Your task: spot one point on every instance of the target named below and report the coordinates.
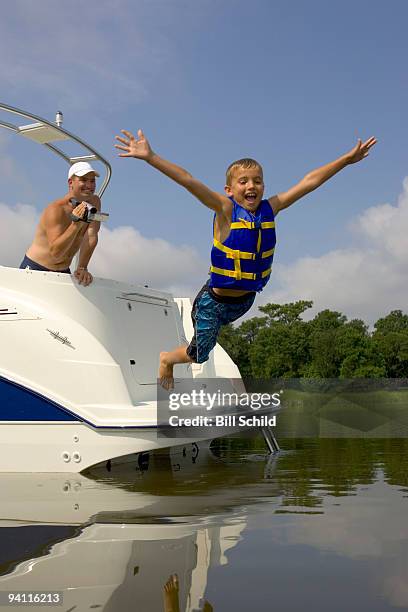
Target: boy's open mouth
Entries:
(250, 197)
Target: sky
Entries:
(290, 83)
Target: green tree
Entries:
(390, 340)
(323, 350)
(393, 347)
(281, 347)
(357, 354)
(285, 313)
(282, 344)
(363, 363)
(237, 342)
(393, 322)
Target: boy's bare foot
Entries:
(166, 377)
(171, 594)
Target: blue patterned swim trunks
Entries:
(210, 311)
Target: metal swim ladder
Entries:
(271, 441)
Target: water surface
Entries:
(321, 526)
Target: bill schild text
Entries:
(231, 420)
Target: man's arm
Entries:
(140, 148)
(61, 240)
(88, 245)
(317, 177)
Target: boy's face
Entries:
(247, 187)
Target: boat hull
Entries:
(78, 370)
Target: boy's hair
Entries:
(245, 162)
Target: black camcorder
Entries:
(91, 212)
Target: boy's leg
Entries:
(167, 362)
(206, 327)
(208, 314)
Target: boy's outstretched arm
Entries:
(140, 148)
(317, 177)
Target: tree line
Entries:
(340, 465)
(280, 344)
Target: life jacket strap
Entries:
(233, 253)
(238, 274)
(236, 254)
(244, 224)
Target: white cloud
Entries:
(122, 254)
(364, 281)
(386, 226)
(16, 232)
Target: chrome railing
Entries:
(46, 132)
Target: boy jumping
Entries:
(244, 240)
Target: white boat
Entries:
(78, 366)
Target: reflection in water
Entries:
(187, 528)
(171, 596)
(132, 526)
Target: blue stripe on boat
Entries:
(17, 403)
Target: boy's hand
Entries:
(360, 150)
(139, 147)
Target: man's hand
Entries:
(139, 148)
(360, 151)
(83, 276)
(80, 212)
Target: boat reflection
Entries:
(113, 538)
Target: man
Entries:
(63, 229)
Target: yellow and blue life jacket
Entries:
(244, 260)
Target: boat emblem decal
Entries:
(63, 339)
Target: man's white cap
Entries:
(80, 169)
